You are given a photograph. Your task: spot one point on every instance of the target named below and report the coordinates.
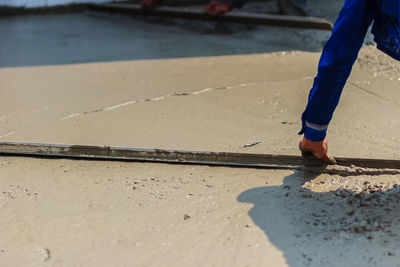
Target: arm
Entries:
(335, 65)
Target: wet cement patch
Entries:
(64, 212)
(207, 103)
(330, 220)
(97, 37)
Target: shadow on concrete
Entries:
(54, 39)
(338, 228)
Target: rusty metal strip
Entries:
(181, 156)
(239, 17)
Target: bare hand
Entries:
(318, 149)
(218, 7)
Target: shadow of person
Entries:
(330, 220)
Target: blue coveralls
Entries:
(340, 53)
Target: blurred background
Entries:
(64, 32)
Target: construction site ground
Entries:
(234, 86)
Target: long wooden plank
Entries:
(239, 17)
(181, 156)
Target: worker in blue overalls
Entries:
(337, 59)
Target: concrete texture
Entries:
(80, 213)
(210, 103)
(88, 213)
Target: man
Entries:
(215, 7)
(337, 59)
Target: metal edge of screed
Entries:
(143, 154)
(239, 17)
(182, 156)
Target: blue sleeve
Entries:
(391, 8)
(335, 65)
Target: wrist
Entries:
(315, 135)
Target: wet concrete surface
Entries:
(94, 213)
(63, 212)
(98, 37)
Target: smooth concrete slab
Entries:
(209, 103)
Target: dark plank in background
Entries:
(180, 156)
(242, 17)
